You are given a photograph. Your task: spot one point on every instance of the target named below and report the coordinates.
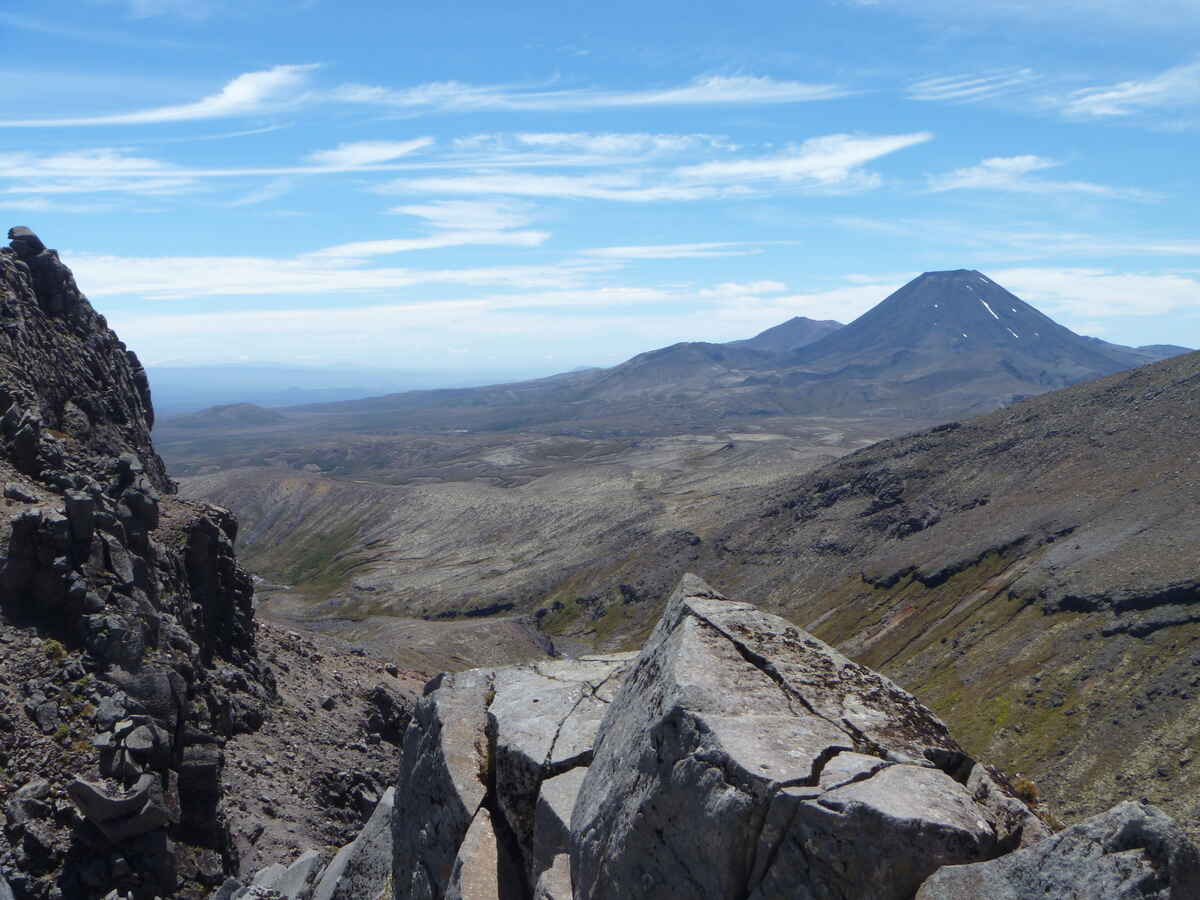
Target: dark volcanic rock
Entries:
(138, 594)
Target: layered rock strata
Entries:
(135, 595)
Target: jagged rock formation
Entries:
(147, 659)
(744, 758)
(710, 766)
(735, 756)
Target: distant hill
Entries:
(796, 332)
(233, 415)
(946, 344)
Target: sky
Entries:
(530, 187)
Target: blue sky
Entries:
(529, 187)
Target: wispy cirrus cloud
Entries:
(365, 153)
(272, 190)
(313, 274)
(1021, 242)
(1176, 87)
(626, 187)
(268, 90)
(828, 161)
(361, 250)
(674, 251)
(469, 215)
(595, 145)
(712, 90)
(972, 88)
(1013, 173)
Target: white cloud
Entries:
(595, 145)
(627, 187)
(830, 161)
(469, 215)
(1178, 86)
(273, 190)
(1014, 242)
(363, 153)
(189, 277)
(358, 250)
(1087, 293)
(251, 93)
(1010, 173)
(674, 251)
(703, 91)
(971, 88)
(743, 289)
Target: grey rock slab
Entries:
(551, 869)
(525, 718)
(5, 891)
(1131, 852)
(295, 882)
(443, 776)
(362, 870)
(880, 837)
(736, 743)
(484, 869)
(1015, 825)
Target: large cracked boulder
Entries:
(481, 747)
(735, 756)
(1131, 852)
(744, 758)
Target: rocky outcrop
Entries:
(148, 615)
(73, 398)
(480, 749)
(1131, 852)
(743, 758)
(736, 756)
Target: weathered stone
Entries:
(389, 714)
(144, 808)
(294, 882)
(484, 869)
(551, 875)
(5, 891)
(362, 870)
(443, 778)
(81, 513)
(524, 720)
(1131, 852)
(25, 242)
(711, 774)
(30, 801)
(18, 493)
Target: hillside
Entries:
(1030, 573)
